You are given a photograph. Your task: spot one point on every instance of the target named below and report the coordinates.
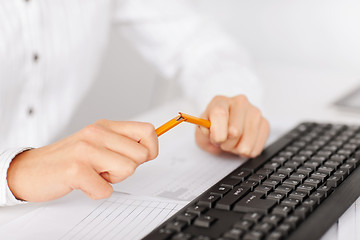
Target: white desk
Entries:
(307, 96)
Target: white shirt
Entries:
(50, 51)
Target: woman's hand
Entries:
(102, 153)
(237, 127)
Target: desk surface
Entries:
(291, 95)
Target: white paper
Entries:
(122, 216)
(182, 171)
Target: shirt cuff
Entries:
(7, 198)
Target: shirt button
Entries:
(30, 111)
(35, 57)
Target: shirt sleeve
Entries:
(6, 156)
(188, 47)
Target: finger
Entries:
(93, 185)
(251, 131)
(219, 117)
(122, 145)
(103, 160)
(140, 132)
(205, 144)
(261, 140)
(204, 130)
(238, 112)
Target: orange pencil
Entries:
(179, 119)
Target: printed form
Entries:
(155, 192)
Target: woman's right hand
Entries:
(102, 153)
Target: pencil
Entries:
(179, 119)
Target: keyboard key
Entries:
(234, 233)
(204, 221)
(291, 183)
(253, 217)
(241, 174)
(244, 225)
(313, 182)
(302, 212)
(326, 169)
(318, 196)
(182, 236)
(300, 158)
(310, 203)
(280, 160)
(197, 209)
(273, 166)
(305, 170)
(263, 227)
(312, 164)
(186, 217)
(232, 197)
(338, 158)
(319, 175)
(324, 153)
(333, 181)
(333, 164)
(293, 164)
(254, 235)
(165, 233)
(208, 200)
(319, 159)
(286, 170)
(355, 161)
(284, 190)
(265, 171)
(298, 176)
(271, 182)
(202, 237)
(326, 189)
(276, 196)
(342, 173)
(272, 219)
(220, 190)
(305, 188)
(250, 184)
(284, 228)
(230, 182)
(279, 176)
(345, 152)
(291, 202)
(349, 167)
(257, 178)
(253, 203)
(282, 210)
(276, 235)
(176, 225)
(263, 189)
(293, 221)
(298, 195)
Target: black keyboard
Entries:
(296, 189)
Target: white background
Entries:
(305, 52)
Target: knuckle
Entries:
(234, 132)
(73, 169)
(220, 111)
(257, 113)
(91, 130)
(148, 129)
(82, 147)
(143, 154)
(218, 98)
(241, 98)
(129, 168)
(101, 122)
